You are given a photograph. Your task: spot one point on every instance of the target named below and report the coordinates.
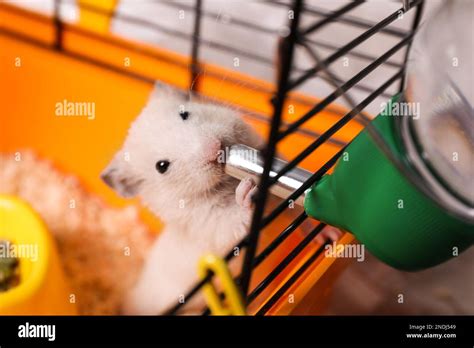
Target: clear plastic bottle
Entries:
(440, 79)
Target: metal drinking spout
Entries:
(243, 161)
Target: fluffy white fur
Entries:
(203, 209)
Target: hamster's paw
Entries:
(244, 193)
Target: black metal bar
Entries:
(357, 54)
(312, 179)
(355, 21)
(190, 294)
(406, 4)
(286, 61)
(284, 288)
(333, 81)
(416, 22)
(359, 86)
(334, 128)
(285, 262)
(58, 25)
(309, 133)
(332, 16)
(346, 48)
(358, 22)
(331, 78)
(344, 88)
(195, 69)
(279, 239)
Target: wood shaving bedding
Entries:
(92, 238)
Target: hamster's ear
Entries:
(118, 175)
(162, 90)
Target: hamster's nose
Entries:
(212, 150)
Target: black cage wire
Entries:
(298, 36)
(289, 77)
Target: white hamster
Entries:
(170, 160)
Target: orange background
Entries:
(83, 147)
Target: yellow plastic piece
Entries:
(42, 289)
(235, 304)
(96, 14)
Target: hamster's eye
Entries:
(162, 166)
(184, 115)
